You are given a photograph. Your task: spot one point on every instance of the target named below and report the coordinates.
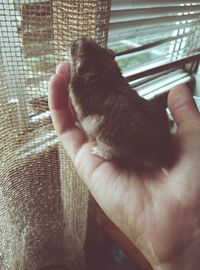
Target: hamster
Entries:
(125, 126)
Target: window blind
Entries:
(153, 36)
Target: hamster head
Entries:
(90, 60)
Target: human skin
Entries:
(159, 213)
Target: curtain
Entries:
(43, 203)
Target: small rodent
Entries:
(125, 126)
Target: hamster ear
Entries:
(111, 53)
(82, 66)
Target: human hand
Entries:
(159, 213)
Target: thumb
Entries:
(183, 108)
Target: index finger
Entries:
(70, 135)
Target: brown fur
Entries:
(124, 125)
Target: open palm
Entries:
(159, 213)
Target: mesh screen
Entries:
(43, 203)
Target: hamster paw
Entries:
(96, 150)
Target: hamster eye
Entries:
(83, 66)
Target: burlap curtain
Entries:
(43, 203)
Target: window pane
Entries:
(160, 32)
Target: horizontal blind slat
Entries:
(145, 71)
(128, 15)
(139, 83)
(170, 77)
(123, 32)
(152, 10)
(138, 62)
(146, 3)
(127, 21)
(164, 86)
(153, 61)
(153, 44)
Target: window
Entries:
(154, 40)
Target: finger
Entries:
(183, 107)
(58, 100)
(63, 69)
(71, 137)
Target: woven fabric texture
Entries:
(43, 203)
